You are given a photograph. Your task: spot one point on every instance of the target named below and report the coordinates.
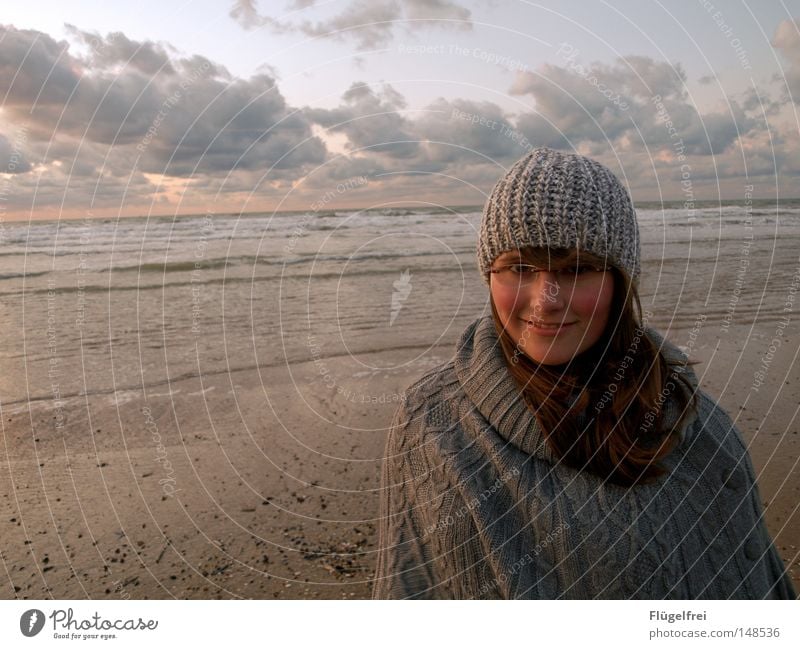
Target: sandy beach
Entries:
(261, 482)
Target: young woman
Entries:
(566, 451)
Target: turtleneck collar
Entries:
(483, 373)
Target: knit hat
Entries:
(560, 200)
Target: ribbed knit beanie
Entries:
(560, 200)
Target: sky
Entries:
(154, 108)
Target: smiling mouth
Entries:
(553, 326)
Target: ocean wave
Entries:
(19, 275)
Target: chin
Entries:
(550, 361)
(553, 357)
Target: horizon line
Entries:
(478, 207)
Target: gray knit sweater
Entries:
(474, 504)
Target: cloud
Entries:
(148, 57)
(617, 112)
(12, 157)
(370, 120)
(104, 118)
(371, 23)
(626, 105)
(452, 149)
(123, 108)
(461, 130)
(438, 10)
(787, 41)
(246, 14)
(220, 127)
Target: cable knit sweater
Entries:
(474, 504)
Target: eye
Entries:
(522, 269)
(584, 269)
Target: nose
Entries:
(547, 296)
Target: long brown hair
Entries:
(602, 411)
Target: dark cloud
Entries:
(633, 77)
(102, 117)
(618, 113)
(371, 121)
(713, 133)
(371, 23)
(103, 112)
(54, 93)
(625, 105)
(189, 116)
(148, 57)
(35, 69)
(221, 126)
(787, 41)
(462, 130)
(760, 103)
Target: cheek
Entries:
(597, 302)
(506, 300)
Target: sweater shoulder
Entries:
(714, 425)
(432, 382)
(427, 402)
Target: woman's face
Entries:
(552, 316)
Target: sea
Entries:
(120, 305)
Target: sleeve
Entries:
(783, 588)
(778, 578)
(405, 566)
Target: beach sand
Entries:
(266, 482)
